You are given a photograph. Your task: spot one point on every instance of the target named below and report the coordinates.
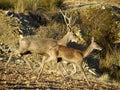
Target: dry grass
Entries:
(115, 57)
(31, 5)
(104, 77)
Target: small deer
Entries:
(71, 55)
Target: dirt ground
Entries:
(17, 75)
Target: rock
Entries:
(1, 58)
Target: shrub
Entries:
(101, 24)
(111, 64)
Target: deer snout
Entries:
(100, 49)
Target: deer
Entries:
(43, 45)
(40, 45)
(71, 55)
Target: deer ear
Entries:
(92, 39)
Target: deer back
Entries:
(67, 53)
(35, 44)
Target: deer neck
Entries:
(87, 51)
(64, 41)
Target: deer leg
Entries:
(58, 67)
(82, 71)
(9, 59)
(26, 61)
(59, 61)
(44, 60)
(38, 62)
(42, 66)
(74, 67)
(64, 69)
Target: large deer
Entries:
(43, 45)
(71, 55)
